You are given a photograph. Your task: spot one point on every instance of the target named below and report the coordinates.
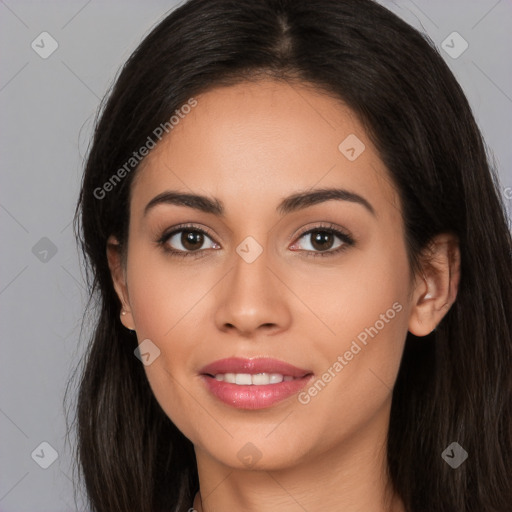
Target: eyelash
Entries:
(347, 240)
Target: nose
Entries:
(253, 299)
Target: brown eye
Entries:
(187, 240)
(322, 241)
(191, 240)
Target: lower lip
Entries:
(254, 397)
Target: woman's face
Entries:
(270, 278)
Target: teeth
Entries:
(258, 379)
(276, 378)
(243, 378)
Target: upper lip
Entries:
(252, 366)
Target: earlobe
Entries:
(118, 274)
(436, 288)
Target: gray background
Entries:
(47, 112)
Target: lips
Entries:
(252, 366)
(253, 383)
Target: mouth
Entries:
(256, 383)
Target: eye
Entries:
(184, 240)
(321, 241)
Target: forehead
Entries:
(260, 141)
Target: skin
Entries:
(250, 145)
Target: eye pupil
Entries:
(320, 238)
(191, 238)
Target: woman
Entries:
(303, 271)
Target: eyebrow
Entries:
(292, 203)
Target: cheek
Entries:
(167, 306)
(351, 296)
(160, 315)
(363, 308)
(163, 293)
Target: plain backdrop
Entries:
(47, 110)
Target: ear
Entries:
(118, 274)
(436, 288)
